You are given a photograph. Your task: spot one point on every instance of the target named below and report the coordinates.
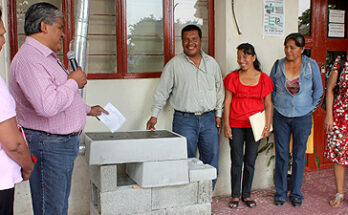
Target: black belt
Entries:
(44, 132)
(194, 113)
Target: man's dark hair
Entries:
(40, 12)
(297, 38)
(249, 49)
(191, 28)
(0, 13)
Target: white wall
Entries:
(133, 97)
(249, 15)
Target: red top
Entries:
(246, 100)
(293, 85)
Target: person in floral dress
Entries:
(337, 128)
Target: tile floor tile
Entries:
(318, 187)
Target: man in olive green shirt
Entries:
(192, 81)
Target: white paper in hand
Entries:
(258, 122)
(114, 120)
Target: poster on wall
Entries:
(273, 19)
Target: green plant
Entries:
(267, 148)
(317, 160)
(269, 145)
(304, 22)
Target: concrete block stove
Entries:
(146, 173)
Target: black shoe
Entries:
(278, 202)
(296, 202)
(250, 203)
(233, 204)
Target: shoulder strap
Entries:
(276, 66)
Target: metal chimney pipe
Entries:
(80, 44)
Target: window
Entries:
(145, 50)
(16, 13)
(127, 38)
(102, 51)
(191, 12)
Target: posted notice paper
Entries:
(114, 120)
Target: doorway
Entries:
(324, 24)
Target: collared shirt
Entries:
(46, 100)
(309, 96)
(10, 171)
(190, 88)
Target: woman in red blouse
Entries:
(248, 91)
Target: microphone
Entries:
(72, 60)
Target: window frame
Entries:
(67, 8)
(121, 36)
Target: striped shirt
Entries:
(45, 99)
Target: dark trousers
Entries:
(6, 201)
(238, 157)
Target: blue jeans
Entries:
(300, 128)
(238, 157)
(199, 131)
(50, 181)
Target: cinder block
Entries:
(161, 173)
(93, 210)
(174, 196)
(133, 147)
(200, 172)
(125, 200)
(95, 197)
(104, 177)
(199, 209)
(155, 212)
(205, 191)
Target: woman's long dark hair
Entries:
(249, 49)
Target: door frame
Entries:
(319, 44)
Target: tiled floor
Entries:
(318, 187)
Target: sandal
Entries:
(250, 203)
(337, 200)
(233, 204)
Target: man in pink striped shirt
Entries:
(49, 106)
